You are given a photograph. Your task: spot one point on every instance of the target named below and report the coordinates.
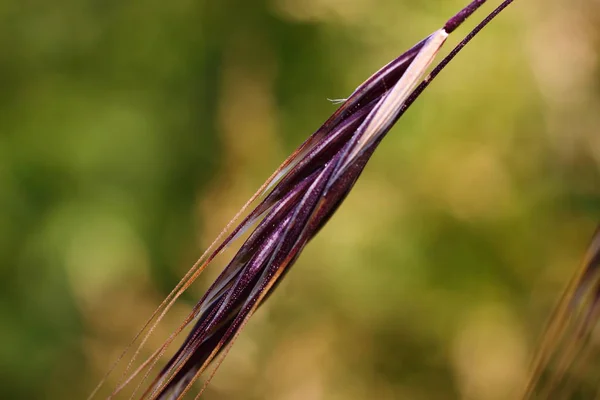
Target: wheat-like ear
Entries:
(569, 328)
(290, 209)
(298, 206)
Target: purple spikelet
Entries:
(293, 206)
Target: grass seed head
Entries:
(291, 207)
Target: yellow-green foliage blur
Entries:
(132, 131)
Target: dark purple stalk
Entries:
(462, 15)
(417, 92)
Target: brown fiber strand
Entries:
(579, 367)
(557, 323)
(162, 350)
(554, 332)
(153, 390)
(172, 337)
(567, 359)
(242, 325)
(192, 274)
(581, 337)
(258, 302)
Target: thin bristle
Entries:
(566, 337)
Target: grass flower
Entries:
(289, 210)
(566, 342)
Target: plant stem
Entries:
(463, 14)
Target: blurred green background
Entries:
(131, 131)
